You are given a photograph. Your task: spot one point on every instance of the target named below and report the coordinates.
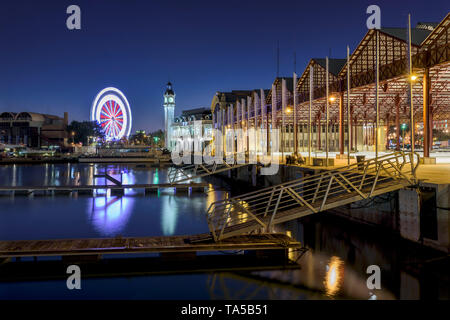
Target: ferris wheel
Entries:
(112, 111)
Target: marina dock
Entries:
(190, 244)
(116, 189)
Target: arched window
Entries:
(24, 116)
(7, 116)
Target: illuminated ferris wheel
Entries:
(112, 111)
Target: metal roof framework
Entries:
(430, 49)
(432, 53)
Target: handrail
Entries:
(311, 194)
(312, 177)
(193, 171)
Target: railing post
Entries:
(274, 210)
(326, 193)
(270, 202)
(225, 222)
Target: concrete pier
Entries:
(419, 214)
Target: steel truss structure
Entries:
(274, 108)
(261, 210)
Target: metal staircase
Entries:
(259, 211)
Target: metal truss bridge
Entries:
(259, 211)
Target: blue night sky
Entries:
(201, 46)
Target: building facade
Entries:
(334, 104)
(33, 130)
(193, 123)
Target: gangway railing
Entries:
(259, 211)
(182, 173)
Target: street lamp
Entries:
(332, 99)
(403, 127)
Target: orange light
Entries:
(413, 77)
(332, 99)
(334, 276)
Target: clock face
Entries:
(170, 99)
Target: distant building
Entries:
(169, 111)
(33, 130)
(184, 125)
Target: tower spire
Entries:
(169, 111)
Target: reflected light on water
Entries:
(109, 216)
(169, 215)
(156, 177)
(211, 197)
(14, 176)
(291, 252)
(334, 276)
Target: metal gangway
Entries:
(188, 172)
(259, 211)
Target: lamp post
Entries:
(403, 127)
(330, 100)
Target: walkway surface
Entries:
(174, 244)
(438, 173)
(434, 173)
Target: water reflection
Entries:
(169, 214)
(334, 267)
(156, 176)
(110, 216)
(77, 174)
(334, 276)
(14, 175)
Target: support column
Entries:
(238, 126)
(274, 115)
(238, 115)
(351, 127)
(249, 103)
(294, 90)
(427, 127)
(311, 92)
(223, 129)
(283, 117)
(397, 122)
(387, 132)
(348, 105)
(341, 123)
(319, 128)
(244, 132)
(265, 118)
(255, 109)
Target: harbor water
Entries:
(334, 266)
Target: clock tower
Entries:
(169, 109)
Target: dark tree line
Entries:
(81, 131)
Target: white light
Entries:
(117, 96)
